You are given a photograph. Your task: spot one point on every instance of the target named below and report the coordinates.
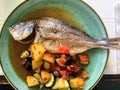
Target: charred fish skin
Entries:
(54, 33)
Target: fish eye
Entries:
(54, 31)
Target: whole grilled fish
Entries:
(59, 37)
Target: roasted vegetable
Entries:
(25, 54)
(23, 62)
(37, 51)
(63, 73)
(28, 66)
(37, 70)
(84, 59)
(57, 60)
(45, 75)
(36, 75)
(32, 81)
(46, 65)
(85, 74)
(62, 60)
(51, 81)
(49, 57)
(36, 64)
(77, 82)
(54, 71)
(64, 49)
(61, 84)
(27, 63)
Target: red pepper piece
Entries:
(63, 73)
(62, 61)
(69, 68)
(84, 59)
(64, 49)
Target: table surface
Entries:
(106, 9)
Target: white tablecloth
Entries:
(105, 9)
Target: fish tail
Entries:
(112, 43)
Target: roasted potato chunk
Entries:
(46, 65)
(85, 74)
(77, 82)
(49, 58)
(32, 81)
(37, 51)
(36, 64)
(45, 75)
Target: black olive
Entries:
(23, 62)
(29, 59)
(27, 63)
(28, 66)
(69, 62)
(56, 73)
(68, 58)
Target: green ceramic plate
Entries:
(75, 12)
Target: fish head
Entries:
(22, 30)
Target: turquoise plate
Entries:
(74, 12)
